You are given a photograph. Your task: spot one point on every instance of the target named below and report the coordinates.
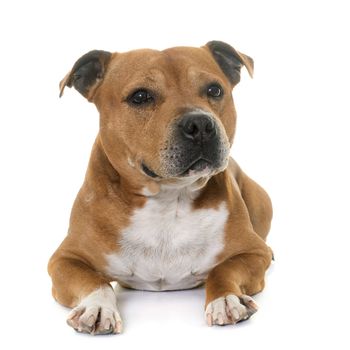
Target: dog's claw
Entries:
(209, 320)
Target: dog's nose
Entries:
(198, 127)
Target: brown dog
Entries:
(163, 206)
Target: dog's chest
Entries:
(168, 245)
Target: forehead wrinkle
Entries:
(153, 78)
(195, 75)
(127, 65)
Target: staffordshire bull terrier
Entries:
(163, 205)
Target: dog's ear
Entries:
(230, 60)
(87, 73)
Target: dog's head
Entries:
(167, 115)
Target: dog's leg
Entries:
(256, 200)
(258, 204)
(230, 284)
(90, 295)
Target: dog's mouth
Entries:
(148, 171)
(200, 165)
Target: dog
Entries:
(163, 205)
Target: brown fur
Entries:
(113, 189)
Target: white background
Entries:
(292, 137)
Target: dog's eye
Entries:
(215, 90)
(140, 97)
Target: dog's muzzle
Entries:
(197, 145)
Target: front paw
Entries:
(95, 320)
(230, 309)
(96, 314)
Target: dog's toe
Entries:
(95, 320)
(230, 310)
(96, 314)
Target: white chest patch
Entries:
(168, 245)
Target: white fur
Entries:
(97, 313)
(146, 192)
(230, 309)
(104, 296)
(169, 245)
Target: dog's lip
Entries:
(148, 171)
(201, 161)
